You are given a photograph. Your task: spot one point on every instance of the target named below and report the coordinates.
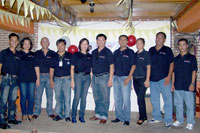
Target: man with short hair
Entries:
(9, 66)
(103, 69)
(162, 61)
(183, 84)
(43, 58)
(60, 80)
(124, 64)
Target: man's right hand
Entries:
(173, 87)
(52, 84)
(72, 84)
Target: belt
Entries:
(7, 75)
(44, 73)
(83, 73)
(62, 77)
(101, 74)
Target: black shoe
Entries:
(67, 119)
(116, 120)
(126, 123)
(141, 121)
(4, 126)
(35, 116)
(15, 122)
(81, 119)
(57, 118)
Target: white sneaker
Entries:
(176, 123)
(153, 121)
(189, 126)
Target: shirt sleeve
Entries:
(52, 62)
(1, 57)
(74, 59)
(194, 64)
(170, 56)
(133, 58)
(110, 57)
(36, 59)
(148, 59)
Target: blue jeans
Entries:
(101, 94)
(155, 89)
(63, 96)
(9, 86)
(44, 83)
(122, 95)
(27, 91)
(181, 96)
(82, 83)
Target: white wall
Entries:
(112, 42)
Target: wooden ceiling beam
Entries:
(190, 20)
(120, 14)
(78, 2)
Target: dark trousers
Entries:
(140, 90)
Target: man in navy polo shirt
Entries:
(60, 80)
(124, 64)
(9, 66)
(162, 61)
(185, 69)
(43, 58)
(103, 69)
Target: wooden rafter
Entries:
(78, 2)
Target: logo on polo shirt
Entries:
(126, 56)
(48, 57)
(141, 58)
(88, 58)
(66, 59)
(163, 53)
(186, 61)
(17, 58)
(31, 56)
(103, 57)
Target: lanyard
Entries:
(61, 57)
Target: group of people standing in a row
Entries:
(61, 71)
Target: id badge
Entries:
(60, 63)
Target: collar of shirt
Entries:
(184, 56)
(141, 52)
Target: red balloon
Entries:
(131, 40)
(72, 49)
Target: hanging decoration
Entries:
(19, 20)
(127, 11)
(79, 31)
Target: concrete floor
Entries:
(45, 124)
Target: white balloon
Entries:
(68, 41)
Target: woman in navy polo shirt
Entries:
(27, 79)
(80, 78)
(141, 78)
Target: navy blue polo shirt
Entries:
(123, 61)
(27, 72)
(9, 61)
(143, 60)
(64, 70)
(44, 61)
(101, 61)
(183, 68)
(160, 62)
(82, 62)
